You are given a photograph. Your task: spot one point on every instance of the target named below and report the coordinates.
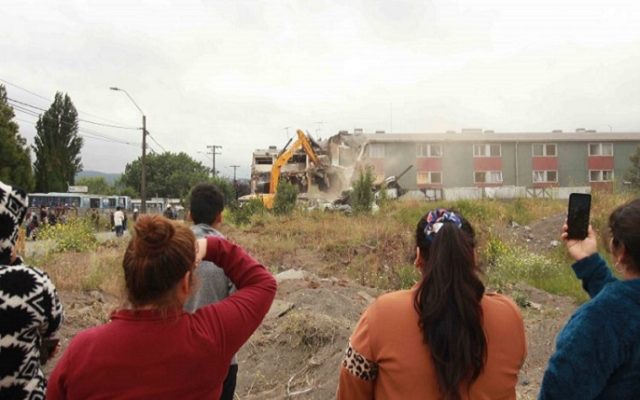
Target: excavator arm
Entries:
(302, 142)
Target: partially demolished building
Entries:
(470, 163)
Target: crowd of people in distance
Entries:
(193, 299)
(33, 221)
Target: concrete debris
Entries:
(323, 170)
(279, 308)
(535, 306)
(290, 274)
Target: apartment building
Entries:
(487, 159)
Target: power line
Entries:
(49, 100)
(213, 153)
(89, 133)
(26, 90)
(16, 102)
(155, 141)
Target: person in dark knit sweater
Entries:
(154, 349)
(30, 311)
(598, 351)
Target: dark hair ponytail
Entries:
(448, 303)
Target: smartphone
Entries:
(578, 215)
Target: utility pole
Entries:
(319, 128)
(286, 128)
(143, 177)
(213, 153)
(235, 183)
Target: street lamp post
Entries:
(143, 175)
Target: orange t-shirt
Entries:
(387, 358)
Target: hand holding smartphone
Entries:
(578, 216)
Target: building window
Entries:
(600, 149)
(429, 177)
(545, 176)
(488, 177)
(601, 175)
(544, 150)
(428, 150)
(487, 150)
(376, 150)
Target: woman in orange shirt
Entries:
(443, 339)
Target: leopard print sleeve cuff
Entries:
(358, 365)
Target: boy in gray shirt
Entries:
(207, 203)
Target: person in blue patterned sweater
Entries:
(30, 312)
(598, 351)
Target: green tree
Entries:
(362, 195)
(122, 189)
(168, 174)
(15, 158)
(632, 175)
(57, 146)
(96, 185)
(226, 187)
(286, 196)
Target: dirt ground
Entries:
(297, 351)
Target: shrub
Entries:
(240, 214)
(518, 211)
(75, 235)
(507, 265)
(286, 197)
(362, 195)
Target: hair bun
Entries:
(152, 232)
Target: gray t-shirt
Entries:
(212, 284)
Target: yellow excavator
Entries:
(302, 142)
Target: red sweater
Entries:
(147, 355)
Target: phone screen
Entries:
(578, 215)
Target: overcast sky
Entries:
(235, 73)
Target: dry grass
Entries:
(373, 250)
(363, 247)
(310, 329)
(95, 270)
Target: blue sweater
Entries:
(598, 351)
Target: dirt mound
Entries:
(298, 349)
(539, 237)
(82, 310)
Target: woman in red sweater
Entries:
(152, 349)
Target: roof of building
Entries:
(505, 137)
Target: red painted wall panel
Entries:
(602, 186)
(544, 163)
(487, 164)
(428, 164)
(600, 162)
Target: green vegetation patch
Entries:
(74, 235)
(509, 264)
